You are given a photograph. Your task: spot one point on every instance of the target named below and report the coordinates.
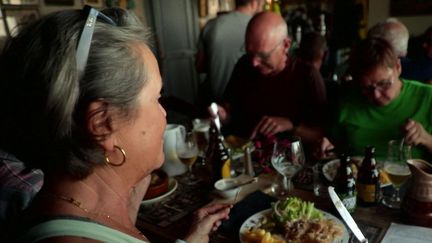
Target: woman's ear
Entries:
(99, 125)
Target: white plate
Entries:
(329, 169)
(172, 186)
(255, 219)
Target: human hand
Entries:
(323, 148)
(269, 125)
(207, 220)
(415, 134)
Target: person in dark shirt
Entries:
(269, 91)
(421, 68)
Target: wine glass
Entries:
(187, 152)
(287, 158)
(397, 169)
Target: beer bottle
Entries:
(213, 134)
(368, 183)
(218, 154)
(345, 185)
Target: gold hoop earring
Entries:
(107, 160)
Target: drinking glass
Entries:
(201, 132)
(287, 158)
(397, 169)
(187, 152)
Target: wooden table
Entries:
(377, 219)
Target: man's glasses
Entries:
(265, 56)
(86, 36)
(380, 86)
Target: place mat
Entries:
(373, 233)
(251, 204)
(185, 200)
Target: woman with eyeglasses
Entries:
(380, 106)
(79, 99)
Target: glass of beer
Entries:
(187, 152)
(201, 132)
(397, 169)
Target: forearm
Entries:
(427, 143)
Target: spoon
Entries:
(236, 185)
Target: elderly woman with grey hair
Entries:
(79, 98)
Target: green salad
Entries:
(293, 209)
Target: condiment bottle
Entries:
(218, 154)
(322, 25)
(248, 165)
(345, 185)
(368, 183)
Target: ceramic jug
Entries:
(417, 204)
(172, 164)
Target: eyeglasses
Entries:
(86, 36)
(264, 56)
(380, 86)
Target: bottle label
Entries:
(366, 192)
(349, 202)
(226, 169)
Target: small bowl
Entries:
(158, 184)
(221, 186)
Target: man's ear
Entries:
(99, 125)
(398, 67)
(287, 43)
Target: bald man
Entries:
(269, 91)
(393, 31)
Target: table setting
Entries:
(255, 195)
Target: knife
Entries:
(346, 216)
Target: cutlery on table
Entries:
(236, 185)
(346, 216)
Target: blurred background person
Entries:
(420, 67)
(269, 91)
(397, 34)
(221, 44)
(18, 186)
(394, 32)
(312, 49)
(379, 106)
(80, 101)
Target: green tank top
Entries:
(74, 227)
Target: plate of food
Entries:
(293, 220)
(330, 168)
(161, 186)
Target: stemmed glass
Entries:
(187, 152)
(287, 158)
(397, 169)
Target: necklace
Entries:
(78, 204)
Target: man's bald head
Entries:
(267, 43)
(394, 32)
(266, 25)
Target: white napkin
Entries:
(401, 233)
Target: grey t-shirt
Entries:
(222, 41)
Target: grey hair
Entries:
(393, 31)
(45, 116)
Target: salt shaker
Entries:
(248, 167)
